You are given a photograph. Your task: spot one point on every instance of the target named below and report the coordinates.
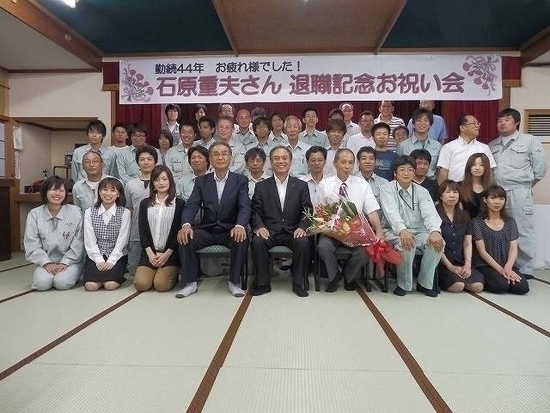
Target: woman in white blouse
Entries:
(159, 222)
(106, 235)
(53, 239)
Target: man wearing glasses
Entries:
(412, 224)
(454, 155)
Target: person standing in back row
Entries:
(521, 163)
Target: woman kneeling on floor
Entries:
(53, 239)
(496, 240)
(455, 269)
(106, 235)
(159, 223)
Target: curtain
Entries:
(484, 111)
(150, 115)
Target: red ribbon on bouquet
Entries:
(380, 252)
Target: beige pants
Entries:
(161, 279)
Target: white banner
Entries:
(201, 79)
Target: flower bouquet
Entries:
(341, 220)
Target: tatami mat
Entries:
(155, 329)
(489, 393)
(461, 336)
(533, 306)
(15, 281)
(98, 389)
(324, 332)
(320, 354)
(325, 353)
(250, 390)
(33, 320)
(17, 259)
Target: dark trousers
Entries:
(300, 259)
(496, 283)
(190, 260)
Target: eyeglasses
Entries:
(89, 162)
(138, 135)
(473, 123)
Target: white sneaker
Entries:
(190, 288)
(235, 290)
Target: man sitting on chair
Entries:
(279, 206)
(358, 191)
(411, 224)
(223, 197)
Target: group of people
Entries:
(146, 211)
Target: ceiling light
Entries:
(70, 3)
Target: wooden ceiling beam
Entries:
(399, 5)
(536, 46)
(220, 10)
(34, 15)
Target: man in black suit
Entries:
(278, 218)
(223, 197)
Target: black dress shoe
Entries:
(299, 291)
(426, 291)
(399, 291)
(352, 286)
(332, 286)
(263, 289)
(528, 276)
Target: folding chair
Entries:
(220, 251)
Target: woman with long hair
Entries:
(53, 238)
(477, 177)
(159, 222)
(106, 235)
(496, 239)
(165, 142)
(455, 269)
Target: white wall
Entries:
(45, 95)
(535, 94)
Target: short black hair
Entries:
(55, 182)
(380, 125)
(418, 113)
(403, 160)
(137, 127)
(209, 119)
(173, 106)
(96, 126)
(150, 150)
(202, 150)
(315, 149)
(421, 154)
(366, 149)
(309, 109)
(119, 125)
(261, 120)
(253, 153)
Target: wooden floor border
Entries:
(11, 297)
(511, 314)
(203, 391)
(433, 396)
(10, 370)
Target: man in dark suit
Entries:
(278, 218)
(223, 197)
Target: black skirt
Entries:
(92, 274)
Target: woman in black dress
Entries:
(455, 269)
(496, 240)
(477, 177)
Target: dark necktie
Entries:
(343, 190)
